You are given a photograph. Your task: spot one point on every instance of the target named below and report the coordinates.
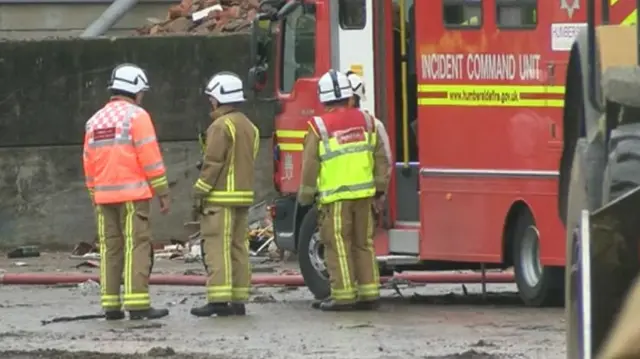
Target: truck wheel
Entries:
(537, 285)
(311, 256)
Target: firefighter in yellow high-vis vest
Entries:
(344, 167)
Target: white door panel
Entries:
(356, 52)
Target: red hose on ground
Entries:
(288, 280)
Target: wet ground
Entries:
(427, 322)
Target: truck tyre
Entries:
(311, 256)
(537, 285)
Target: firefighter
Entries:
(123, 170)
(223, 194)
(345, 166)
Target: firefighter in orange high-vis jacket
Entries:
(344, 167)
(123, 167)
(223, 194)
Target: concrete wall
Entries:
(48, 91)
(20, 19)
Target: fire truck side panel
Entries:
(489, 135)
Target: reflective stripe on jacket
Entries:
(227, 174)
(347, 144)
(122, 159)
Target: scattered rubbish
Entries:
(177, 242)
(260, 236)
(86, 251)
(89, 264)
(20, 264)
(86, 256)
(181, 301)
(193, 272)
(194, 253)
(260, 239)
(72, 319)
(263, 298)
(24, 252)
(395, 283)
(201, 14)
(170, 251)
(357, 326)
(89, 286)
(288, 272)
(83, 248)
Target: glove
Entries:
(378, 194)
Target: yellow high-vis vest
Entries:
(346, 169)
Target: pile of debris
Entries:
(259, 234)
(205, 16)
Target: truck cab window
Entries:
(516, 14)
(353, 14)
(298, 47)
(462, 13)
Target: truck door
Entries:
(296, 81)
(352, 37)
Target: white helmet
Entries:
(128, 78)
(357, 85)
(225, 87)
(334, 86)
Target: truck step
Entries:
(398, 260)
(405, 241)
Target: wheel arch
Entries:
(517, 209)
(300, 212)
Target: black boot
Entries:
(217, 309)
(239, 308)
(333, 306)
(316, 303)
(113, 315)
(368, 305)
(151, 313)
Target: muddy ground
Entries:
(426, 322)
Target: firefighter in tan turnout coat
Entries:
(345, 166)
(223, 194)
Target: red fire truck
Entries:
(472, 95)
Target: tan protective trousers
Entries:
(125, 251)
(225, 253)
(624, 337)
(346, 230)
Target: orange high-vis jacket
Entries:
(122, 159)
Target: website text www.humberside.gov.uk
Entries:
(487, 95)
